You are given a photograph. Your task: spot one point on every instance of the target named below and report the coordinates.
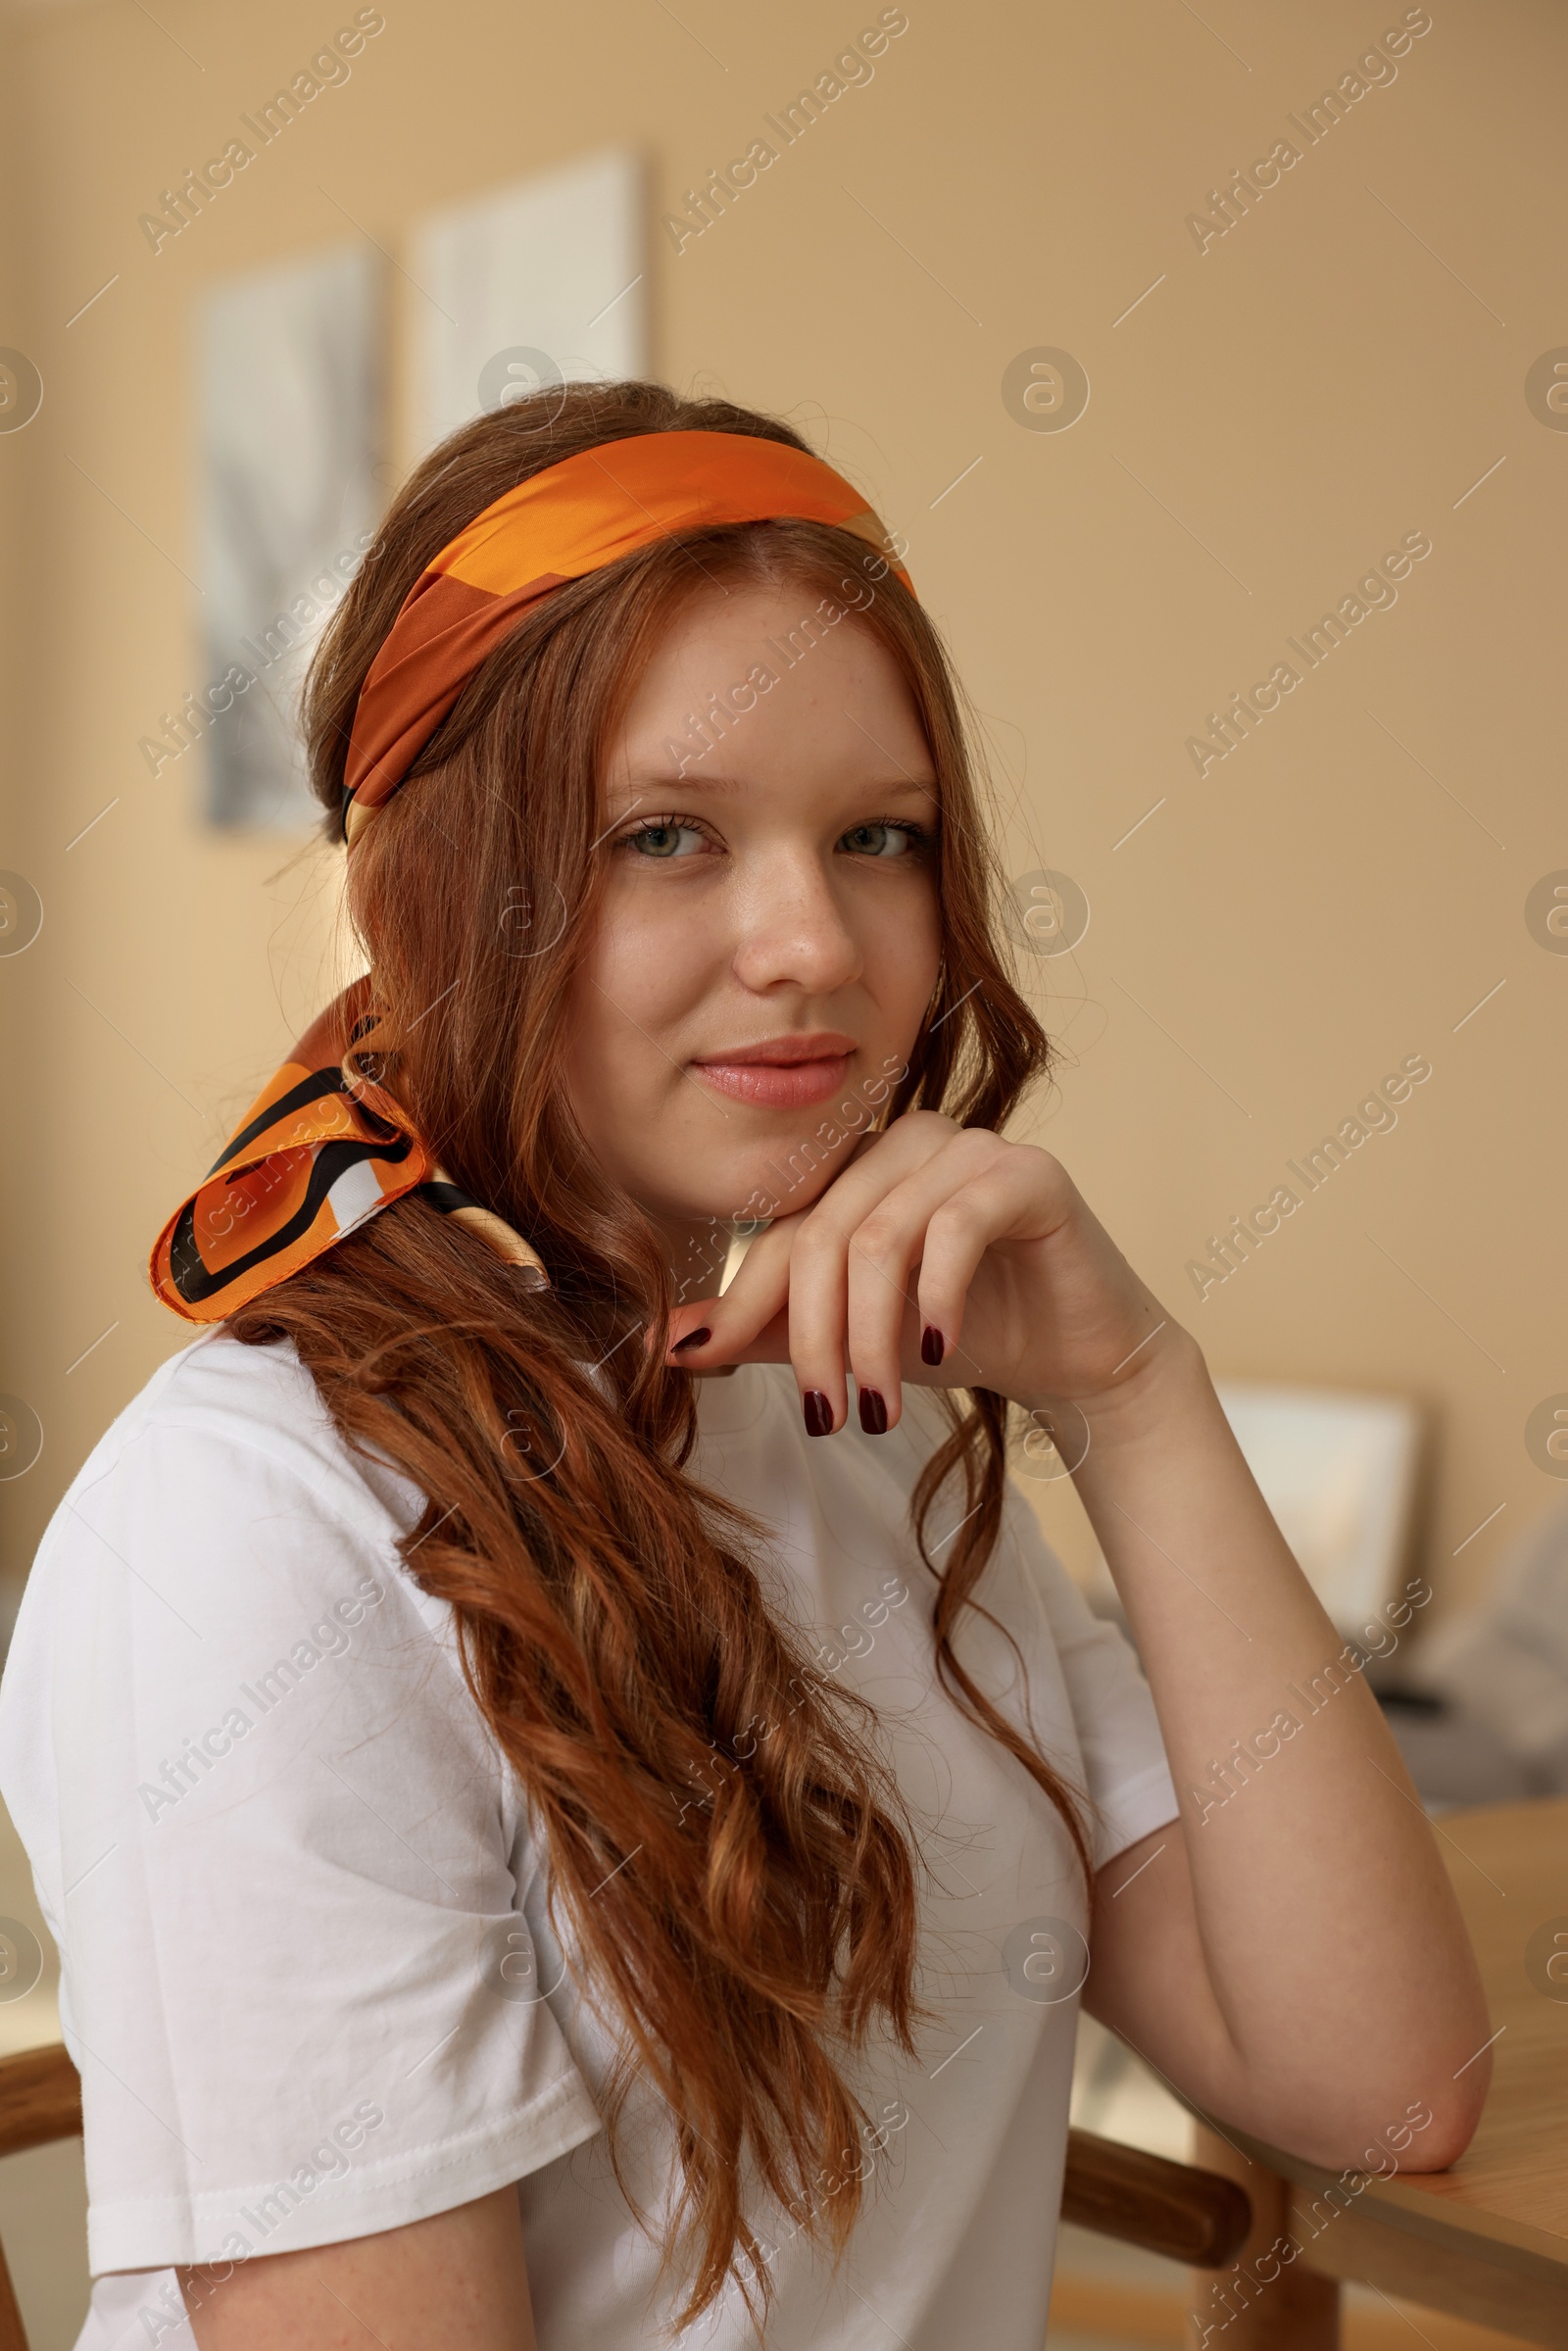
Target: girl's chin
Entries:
(749, 1189)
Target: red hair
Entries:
(614, 1629)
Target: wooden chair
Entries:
(40, 2099)
(1189, 2216)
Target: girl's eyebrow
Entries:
(645, 787)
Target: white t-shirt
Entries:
(309, 1976)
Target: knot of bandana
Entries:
(321, 1148)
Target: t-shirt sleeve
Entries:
(280, 1853)
(1126, 1775)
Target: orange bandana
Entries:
(323, 1146)
(568, 521)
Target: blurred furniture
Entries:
(1488, 2240)
(1188, 2214)
(1503, 1665)
(1341, 1472)
(1455, 1759)
(1338, 1472)
(40, 2099)
(1170, 2208)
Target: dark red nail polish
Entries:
(933, 1346)
(818, 1413)
(691, 1339)
(873, 1412)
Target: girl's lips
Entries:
(777, 1085)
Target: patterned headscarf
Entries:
(324, 1145)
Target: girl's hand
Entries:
(941, 1254)
(987, 1247)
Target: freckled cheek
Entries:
(901, 950)
(660, 956)
(643, 975)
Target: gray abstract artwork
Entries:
(290, 420)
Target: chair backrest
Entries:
(40, 2101)
(1172, 2208)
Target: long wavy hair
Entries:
(726, 1844)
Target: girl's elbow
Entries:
(1454, 2119)
(1427, 2133)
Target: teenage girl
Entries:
(579, 1809)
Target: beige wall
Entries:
(1279, 410)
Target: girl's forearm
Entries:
(1326, 1913)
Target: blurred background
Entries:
(1214, 367)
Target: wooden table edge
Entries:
(1403, 2203)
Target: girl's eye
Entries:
(884, 839)
(670, 840)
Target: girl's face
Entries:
(769, 940)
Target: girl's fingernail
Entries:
(698, 1337)
(818, 1413)
(873, 1412)
(932, 1345)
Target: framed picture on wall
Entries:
(540, 282)
(290, 406)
